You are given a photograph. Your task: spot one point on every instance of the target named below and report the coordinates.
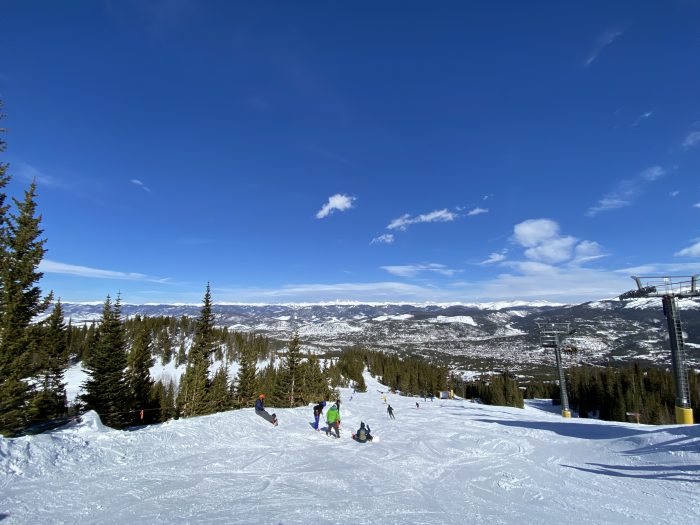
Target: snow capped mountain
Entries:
(461, 335)
(449, 461)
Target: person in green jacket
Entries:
(333, 420)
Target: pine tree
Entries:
(288, 374)
(318, 382)
(192, 397)
(219, 392)
(247, 388)
(21, 252)
(138, 374)
(4, 179)
(51, 399)
(106, 389)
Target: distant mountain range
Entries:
(465, 336)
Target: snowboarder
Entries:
(390, 411)
(318, 410)
(333, 420)
(362, 435)
(417, 405)
(260, 410)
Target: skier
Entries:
(260, 410)
(390, 411)
(333, 420)
(318, 410)
(417, 405)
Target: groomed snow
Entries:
(450, 461)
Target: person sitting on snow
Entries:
(362, 435)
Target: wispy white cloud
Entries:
(642, 118)
(674, 193)
(406, 220)
(48, 266)
(386, 238)
(335, 202)
(495, 257)
(31, 173)
(411, 270)
(477, 211)
(696, 205)
(532, 281)
(602, 42)
(691, 140)
(372, 291)
(653, 173)
(691, 251)
(626, 191)
(140, 184)
(586, 251)
(661, 268)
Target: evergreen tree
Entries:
(4, 240)
(287, 388)
(51, 400)
(105, 389)
(220, 398)
(192, 398)
(247, 388)
(21, 252)
(318, 380)
(138, 375)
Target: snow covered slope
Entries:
(449, 461)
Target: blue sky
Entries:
(378, 151)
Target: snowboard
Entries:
(374, 439)
(272, 418)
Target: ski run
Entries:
(447, 462)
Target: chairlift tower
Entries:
(551, 336)
(669, 289)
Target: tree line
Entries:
(611, 393)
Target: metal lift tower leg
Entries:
(670, 288)
(684, 412)
(565, 411)
(551, 336)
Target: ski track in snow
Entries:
(450, 461)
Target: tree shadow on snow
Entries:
(669, 473)
(571, 429)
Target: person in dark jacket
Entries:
(363, 433)
(260, 410)
(318, 411)
(390, 411)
